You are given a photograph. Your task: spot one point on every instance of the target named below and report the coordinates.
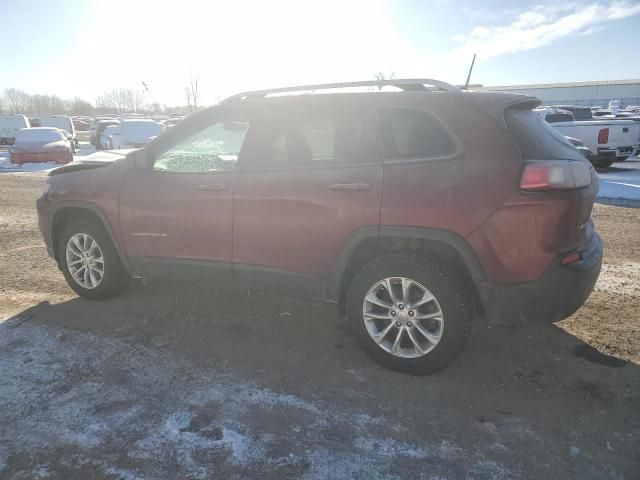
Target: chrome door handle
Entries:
(350, 186)
(214, 186)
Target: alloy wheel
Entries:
(403, 317)
(85, 260)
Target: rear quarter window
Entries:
(536, 138)
(411, 133)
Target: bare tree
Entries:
(187, 94)
(17, 100)
(385, 76)
(191, 91)
(381, 76)
(79, 106)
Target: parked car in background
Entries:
(171, 122)
(608, 140)
(105, 138)
(41, 144)
(10, 124)
(61, 122)
(133, 133)
(81, 125)
(414, 211)
(100, 126)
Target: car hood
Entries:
(95, 160)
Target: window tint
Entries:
(411, 133)
(559, 117)
(313, 136)
(214, 148)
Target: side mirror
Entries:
(141, 158)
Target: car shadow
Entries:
(512, 394)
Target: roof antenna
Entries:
(466, 85)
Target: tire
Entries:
(450, 299)
(114, 278)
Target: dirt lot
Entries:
(178, 381)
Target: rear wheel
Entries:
(89, 261)
(408, 314)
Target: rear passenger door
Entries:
(312, 177)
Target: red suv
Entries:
(414, 210)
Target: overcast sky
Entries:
(80, 48)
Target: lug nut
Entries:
(401, 307)
(398, 324)
(409, 324)
(393, 313)
(411, 313)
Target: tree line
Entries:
(115, 100)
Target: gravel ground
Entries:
(183, 381)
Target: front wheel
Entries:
(408, 314)
(89, 261)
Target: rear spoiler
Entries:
(494, 104)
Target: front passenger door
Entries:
(179, 210)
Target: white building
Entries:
(589, 94)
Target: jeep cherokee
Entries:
(414, 210)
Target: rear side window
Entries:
(311, 135)
(409, 133)
(536, 138)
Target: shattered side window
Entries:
(215, 148)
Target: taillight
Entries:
(603, 135)
(555, 175)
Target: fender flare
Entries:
(355, 239)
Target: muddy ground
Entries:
(184, 381)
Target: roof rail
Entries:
(413, 84)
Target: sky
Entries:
(83, 47)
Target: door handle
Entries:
(350, 186)
(217, 187)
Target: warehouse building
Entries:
(589, 94)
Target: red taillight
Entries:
(555, 175)
(603, 135)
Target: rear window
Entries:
(38, 135)
(409, 133)
(559, 117)
(536, 138)
(580, 113)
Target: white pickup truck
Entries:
(9, 126)
(609, 140)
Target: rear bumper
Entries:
(613, 153)
(556, 295)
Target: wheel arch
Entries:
(371, 242)
(65, 212)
